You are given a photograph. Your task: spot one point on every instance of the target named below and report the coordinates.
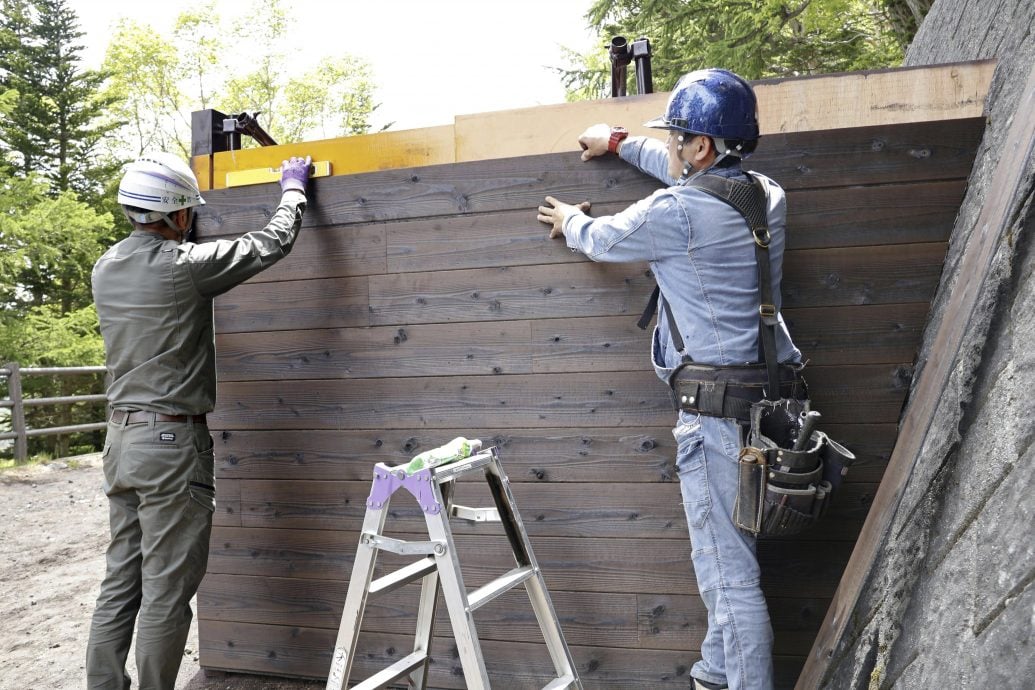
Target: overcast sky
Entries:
(432, 59)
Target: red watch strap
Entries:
(617, 135)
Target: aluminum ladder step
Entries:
(561, 683)
(393, 673)
(486, 593)
(403, 576)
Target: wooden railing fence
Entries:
(17, 404)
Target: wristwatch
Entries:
(617, 135)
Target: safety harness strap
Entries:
(748, 199)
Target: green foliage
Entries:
(243, 67)
(46, 337)
(54, 127)
(755, 38)
(48, 245)
(145, 89)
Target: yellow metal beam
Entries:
(240, 178)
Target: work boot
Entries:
(705, 685)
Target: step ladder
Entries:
(438, 567)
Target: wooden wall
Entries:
(424, 303)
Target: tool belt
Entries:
(729, 391)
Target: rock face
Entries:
(950, 600)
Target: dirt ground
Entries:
(53, 533)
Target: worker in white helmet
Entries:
(154, 292)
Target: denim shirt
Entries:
(703, 257)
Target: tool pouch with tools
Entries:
(784, 488)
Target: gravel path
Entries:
(53, 533)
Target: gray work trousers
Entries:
(161, 494)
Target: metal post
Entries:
(641, 54)
(620, 58)
(621, 54)
(14, 391)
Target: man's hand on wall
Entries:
(557, 212)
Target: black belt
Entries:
(140, 417)
(730, 391)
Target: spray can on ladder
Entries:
(457, 449)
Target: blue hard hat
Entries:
(713, 102)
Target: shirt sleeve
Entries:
(215, 267)
(648, 155)
(626, 236)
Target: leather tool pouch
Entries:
(785, 487)
(748, 510)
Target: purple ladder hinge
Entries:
(387, 480)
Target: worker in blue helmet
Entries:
(707, 336)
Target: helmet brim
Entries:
(660, 122)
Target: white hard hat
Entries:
(159, 182)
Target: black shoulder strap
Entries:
(749, 199)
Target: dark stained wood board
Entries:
(537, 455)
(305, 652)
(422, 304)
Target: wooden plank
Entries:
(994, 219)
(870, 155)
(845, 394)
(859, 156)
(861, 275)
(836, 217)
(632, 621)
(328, 252)
(528, 455)
(418, 350)
(293, 305)
(306, 652)
(505, 293)
(536, 455)
(580, 564)
(641, 510)
(863, 334)
(566, 401)
(228, 503)
(436, 190)
(823, 102)
(347, 155)
(812, 278)
(905, 213)
(504, 238)
(672, 621)
(588, 618)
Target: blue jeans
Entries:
(737, 649)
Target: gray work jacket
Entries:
(154, 301)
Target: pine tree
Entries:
(57, 122)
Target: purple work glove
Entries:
(294, 173)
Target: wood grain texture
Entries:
(845, 394)
(857, 156)
(641, 510)
(424, 303)
(568, 563)
(537, 455)
(634, 621)
(306, 652)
